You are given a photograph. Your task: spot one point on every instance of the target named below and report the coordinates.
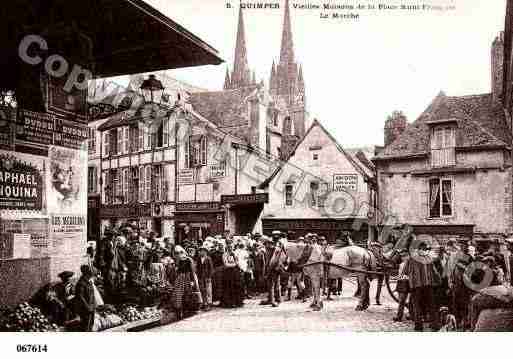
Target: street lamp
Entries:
(150, 88)
(152, 91)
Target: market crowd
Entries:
(441, 285)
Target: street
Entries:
(295, 316)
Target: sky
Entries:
(356, 71)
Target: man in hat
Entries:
(461, 293)
(272, 272)
(65, 292)
(205, 271)
(85, 304)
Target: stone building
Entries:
(449, 173)
(321, 188)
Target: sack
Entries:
(98, 300)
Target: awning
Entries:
(126, 36)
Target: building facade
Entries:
(449, 173)
(321, 188)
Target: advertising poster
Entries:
(7, 119)
(345, 181)
(70, 134)
(68, 233)
(35, 127)
(67, 181)
(21, 181)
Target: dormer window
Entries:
(443, 143)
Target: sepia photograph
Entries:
(250, 168)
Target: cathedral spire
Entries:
(300, 80)
(287, 46)
(241, 73)
(272, 80)
(227, 83)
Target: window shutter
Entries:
(165, 135)
(187, 154)
(141, 183)
(204, 150)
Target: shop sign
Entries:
(343, 182)
(199, 217)
(125, 211)
(35, 127)
(217, 171)
(186, 176)
(305, 224)
(68, 134)
(198, 206)
(245, 198)
(7, 119)
(21, 183)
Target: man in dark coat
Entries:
(84, 299)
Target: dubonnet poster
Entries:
(67, 181)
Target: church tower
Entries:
(286, 81)
(241, 74)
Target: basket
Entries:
(495, 320)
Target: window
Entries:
(314, 187)
(140, 137)
(121, 141)
(157, 183)
(440, 198)
(443, 143)
(147, 194)
(275, 120)
(315, 156)
(197, 155)
(268, 144)
(106, 143)
(126, 139)
(165, 132)
(126, 185)
(253, 189)
(134, 186)
(92, 140)
(91, 180)
(187, 153)
(288, 194)
(118, 185)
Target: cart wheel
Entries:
(389, 288)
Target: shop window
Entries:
(440, 198)
(91, 141)
(443, 143)
(288, 194)
(91, 180)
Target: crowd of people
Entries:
(442, 284)
(434, 284)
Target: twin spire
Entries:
(241, 75)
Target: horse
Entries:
(346, 261)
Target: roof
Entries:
(129, 36)
(224, 108)
(359, 166)
(481, 123)
(119, 119)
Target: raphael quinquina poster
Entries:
(303, 166)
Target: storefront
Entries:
(330, 228)
(116, 215)
(197, 220)
(246, 210)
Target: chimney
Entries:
(497, 62)
(394, 126)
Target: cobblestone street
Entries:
(294, 316)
